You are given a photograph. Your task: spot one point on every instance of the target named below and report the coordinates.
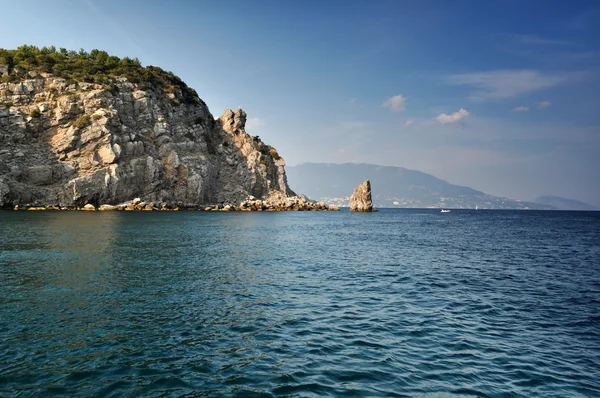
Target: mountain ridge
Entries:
(393, 186)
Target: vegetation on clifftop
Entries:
(96, 66)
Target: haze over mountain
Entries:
(392, 187)
(564, 203)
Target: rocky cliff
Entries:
(69, 143)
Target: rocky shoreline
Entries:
(250, 204)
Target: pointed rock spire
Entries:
(361, 198)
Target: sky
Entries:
(500, 96)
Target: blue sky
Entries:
(501, 96)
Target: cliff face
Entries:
(69, 144)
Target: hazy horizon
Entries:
(293, 182)
(500, 97)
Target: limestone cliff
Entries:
(69, 143)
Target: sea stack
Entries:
(361, 198)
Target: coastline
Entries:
(251, 204)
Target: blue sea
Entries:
(400, 303)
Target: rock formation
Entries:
(69, 143)
(360, 200)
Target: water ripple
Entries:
(394, 304)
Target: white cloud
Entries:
(408, 123)
(397, 103)
(544, 104)
(501, 84)
(452, 118)
(253, 123)
(521, 109)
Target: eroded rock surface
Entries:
(69, 145)
(360, 201)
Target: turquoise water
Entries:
(404, 303)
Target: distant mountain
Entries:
(392, 187)
(563, 203)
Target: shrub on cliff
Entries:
(82, 121)
(94, 67)
(274, 154)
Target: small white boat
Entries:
(445, 210)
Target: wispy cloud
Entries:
(453, 117)
(521, 109)
(555, 52)
(584, 20)
(397, 103)
(349, 129)
(408, 123)
(544, 104)
(502, 84)
(537, 40)
(254, 123)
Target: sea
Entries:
(399, 303)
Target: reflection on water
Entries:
(60, 267)
(398, 303)
(67, 251)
